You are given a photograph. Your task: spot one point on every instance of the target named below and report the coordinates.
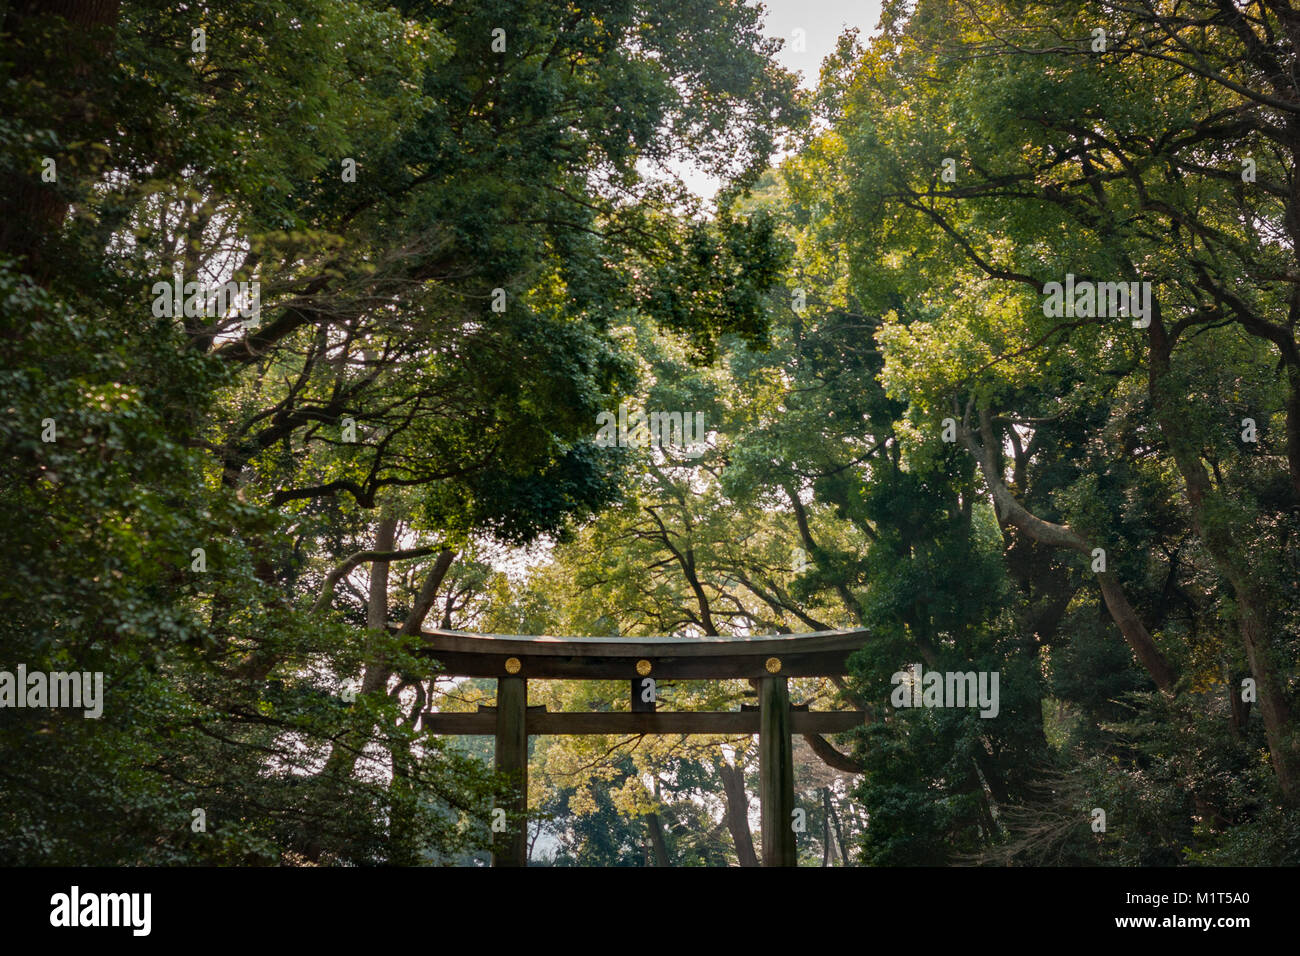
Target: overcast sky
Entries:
(822, 22)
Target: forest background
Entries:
(471, 234)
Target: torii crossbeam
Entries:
(769, 661)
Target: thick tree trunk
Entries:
(343, 759)
(828, 845)
(374, 681)
(839, 830)
(657, 841)
(1231, 557)
(376, 675)
(733, 786)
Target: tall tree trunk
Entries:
(1231, 557)
(733, 786)
(376, 675)
(374, 681)
(343, 756)
(839, 830)
(657, 842)
(828, 845)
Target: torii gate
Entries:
(770, 661)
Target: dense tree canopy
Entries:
(469, 238)
(444, 208)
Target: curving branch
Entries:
(350, 564)
(1010, 511)
(824, 749)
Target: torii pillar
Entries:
(776, 772)
(510, 848)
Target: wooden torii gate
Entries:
(769, 661)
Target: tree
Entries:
(439, 233)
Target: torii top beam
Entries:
(819, 654)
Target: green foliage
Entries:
(189, 502)
(378, 385)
